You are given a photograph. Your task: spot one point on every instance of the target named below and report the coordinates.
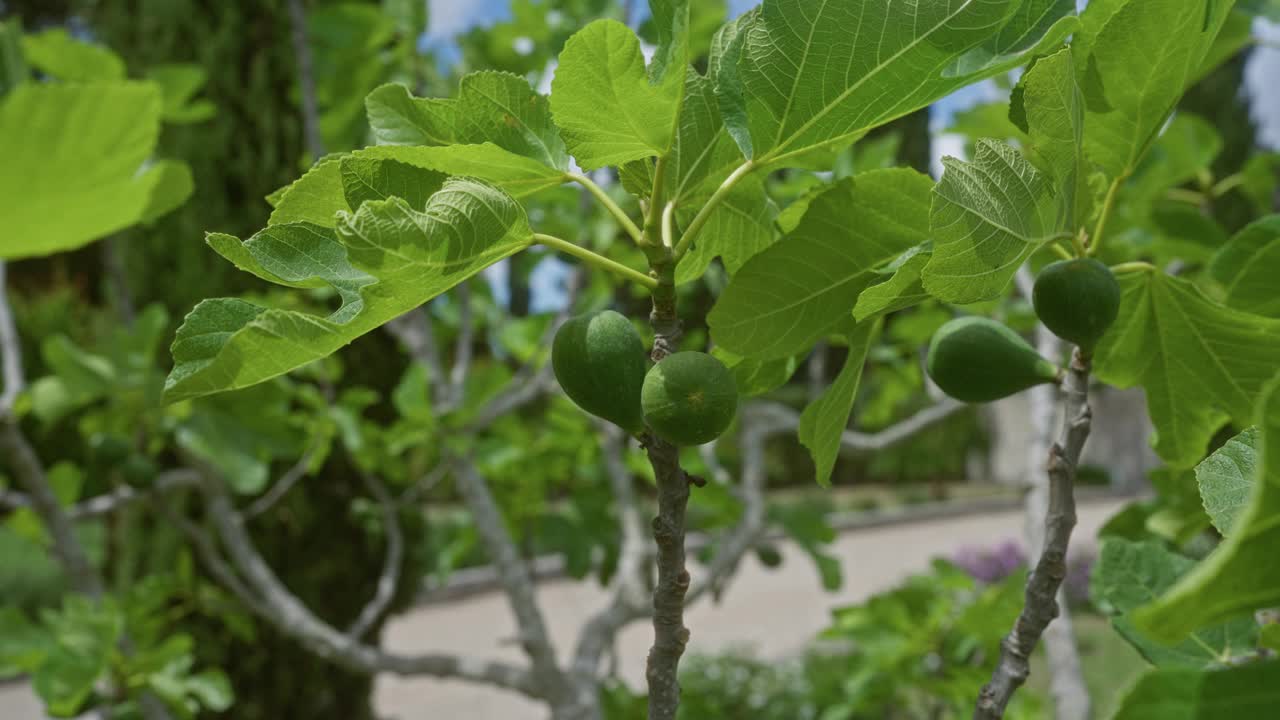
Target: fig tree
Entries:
(689, 398)
(977, 360)
(1078, 300)
(599, 360)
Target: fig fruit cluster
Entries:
(978, 360)
(599, 359)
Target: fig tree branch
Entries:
(1041, 605)
(281, 487)
(858, 442)
(29, 472)
(513, 575)
(670, 636)
(292, 617)
(628, 591)
(1066, 679)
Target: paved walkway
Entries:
(776, 611)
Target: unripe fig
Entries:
(689, 398)
(977, 360)
(599, 360)
(139, 470)
(109, 450)
(1078, 300)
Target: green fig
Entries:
(599, 361)
(977, 360)
(1078, 300)
(689, 398)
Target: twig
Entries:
(124, 496)
(306, 79)
(757, 428)
(514, 577)
(207, 551)
(1041, 605)
(628, 591)
(422, 486)
(281, 487)
(389, 578)
(29, 473)
(859, 442)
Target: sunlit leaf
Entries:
(989, 215)
(1200, 363)
(816, 74)
(788, 296)
(411, 256)
(1240, 576)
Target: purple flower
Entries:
(991, 565)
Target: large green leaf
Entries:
(604, 103)
(1248, 265)
(788, 296)
(1226, 479)
(1238, 693)
(1241, 575)
(1053, 107)
(316, 197)
(901, 288)
(1131, 574)
(491, 107)
(825, 419)
(398, 118)
(988, 217)
(1144, 55)
(1200, 363)
(332, 185)
(702, 154)
(412, 256)
(75, 163)
(740, 227)
(801, 75)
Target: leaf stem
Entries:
(1190, 197)
(1061, 251)
(1108, 206)
(603, 198)
(716, 198)
(1137, 266)
(657, 200)
(668, 222)
(1227, 184)
(596, 259)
